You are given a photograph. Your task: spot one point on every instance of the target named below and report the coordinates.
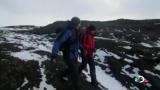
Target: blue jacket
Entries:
(67, 35)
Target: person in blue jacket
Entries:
(69, 43)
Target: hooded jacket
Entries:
(88, 43)
(69, 40)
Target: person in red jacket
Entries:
(87, 49)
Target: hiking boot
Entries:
(65, 78)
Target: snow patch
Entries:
(115, 55)
(101, 55)
(103, 38)
(24, 83)
(157, 67)
(118, 30)
(128, 60)
(39, 42)
(134, 88)
(134, 57)
(106, 80)
(43, 84)
(146, 45)
(131, 75)
(127, 47)
(155, 44)
(28, 55)
(128, 42)
(151, 73)
(15, 29)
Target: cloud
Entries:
(42, 12)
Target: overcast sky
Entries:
(43, 12)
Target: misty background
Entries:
(43, 12)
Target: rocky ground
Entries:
(120, 56)
(25, 64)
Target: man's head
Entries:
(75, 21)
(91, 28)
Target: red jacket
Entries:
(87, 42)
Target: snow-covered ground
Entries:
(127, 47)
(151, 73)
(39, 42)
(113, 39)
(43, 84)
(155, 44)
(146, 45)
(106, 80)
(16, 29)
(24, 83)
(128, 60)
(42, 43)
(36, 42)
(134, 56)
(103, 38)
(132, 75)
(157, 67)
(102, 53)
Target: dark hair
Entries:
(91, 27)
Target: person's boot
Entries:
(65, 78)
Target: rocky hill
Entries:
(125, 49)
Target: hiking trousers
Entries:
(90, 61)
(73, 71)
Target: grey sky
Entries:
(43, 12)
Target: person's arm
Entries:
(59, 41)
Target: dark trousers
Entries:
(90, 61)
(73, 71)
